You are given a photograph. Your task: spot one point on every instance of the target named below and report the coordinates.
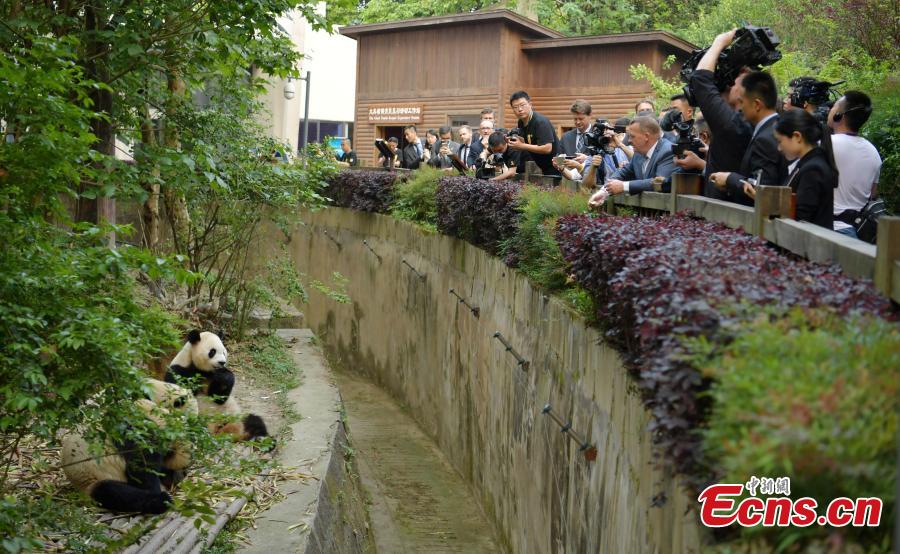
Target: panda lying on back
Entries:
(127, 478)
(203, 359)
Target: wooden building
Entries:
(438, 71)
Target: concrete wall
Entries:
(419, 343)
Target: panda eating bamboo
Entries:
(203, 360)
(127, 478)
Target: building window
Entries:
(318, 130)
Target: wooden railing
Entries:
(770, 219)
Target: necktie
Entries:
(464, 152)
(579, 142)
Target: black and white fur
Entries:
(204, 359)
(125, 478)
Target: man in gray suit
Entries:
(441, 150)
(652, 158)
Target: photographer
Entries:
(539, 141)
(679, 110)
(731, 131)
(502, 158)
(691, 162)
(759, 96)
(385, 162)
(652, 158)
(857, 160)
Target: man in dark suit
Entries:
(652, 158)
(730, 132)
(440, 152)
(759, 96)
(466, 145)
(480, 146)
(572, 141)
(411, 155)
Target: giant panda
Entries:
(127, 479)
(203, 359)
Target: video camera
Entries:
(752, 47)
(595, 138)
(821, 94)
(806, 90)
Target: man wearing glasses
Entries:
(539, 142)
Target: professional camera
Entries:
(669, 119)
(489, 167)
(595, 138)
(752, 47)
(516, 132)
(806, 90)
(686, 140)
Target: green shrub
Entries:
(414, 198)
(814, 398)
(533, 250)
(883, 129)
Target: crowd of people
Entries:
(744, 137)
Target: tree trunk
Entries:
(150, 212)
(176, 206)
(105, 208)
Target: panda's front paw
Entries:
(221, 384)
(157, 503)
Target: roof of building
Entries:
(511, 17)
(545, 36)
(600, 40)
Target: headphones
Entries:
(838, 116)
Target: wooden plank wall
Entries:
(449, 61)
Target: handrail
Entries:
(810, 241)
(770, 219)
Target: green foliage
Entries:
(883, 129)
(337, 291)
(533, 248)
(373, 11)
(663, 89)
(831, 422)
(414, 197)
(70, 326)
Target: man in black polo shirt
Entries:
(348, 156)
(539, 143)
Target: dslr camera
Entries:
(752, 46)
(488, 167)
(595, 138)
(686, 139)
(516, 132)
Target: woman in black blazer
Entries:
(815, 176)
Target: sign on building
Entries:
(405, 113)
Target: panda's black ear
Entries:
(193, 336)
